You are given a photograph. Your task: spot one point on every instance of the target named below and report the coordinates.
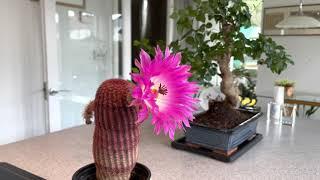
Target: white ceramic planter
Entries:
(278, 95)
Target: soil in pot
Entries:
(221, 116)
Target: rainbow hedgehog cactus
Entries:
(161, 90)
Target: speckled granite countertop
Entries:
(284, 153)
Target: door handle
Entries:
(53, 92)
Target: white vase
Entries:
(278, 95)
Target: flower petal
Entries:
(162, 89)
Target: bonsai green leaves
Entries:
(210, 37)
(209, 48)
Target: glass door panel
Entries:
(87, 53)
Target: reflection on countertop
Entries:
(285, 153)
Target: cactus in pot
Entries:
(116, 134)
(120, 107)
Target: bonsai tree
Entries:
(210, 45)
(209, 50)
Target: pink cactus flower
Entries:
(163, 90)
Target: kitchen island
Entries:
(284, 153)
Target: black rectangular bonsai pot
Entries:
(223, 139)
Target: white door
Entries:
(82, 50)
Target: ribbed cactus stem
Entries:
(116, 134)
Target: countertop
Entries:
(284, 153)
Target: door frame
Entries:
(50, 55)
(49, 48)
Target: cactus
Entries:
(116, 133)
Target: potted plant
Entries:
(162, 89)
(210, 37)
(287, 85)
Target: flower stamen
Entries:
(163, 90)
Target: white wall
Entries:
(21, 98)
(305, 53)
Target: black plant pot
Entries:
(223, 139)
(88, 172)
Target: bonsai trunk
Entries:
(227, 86)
